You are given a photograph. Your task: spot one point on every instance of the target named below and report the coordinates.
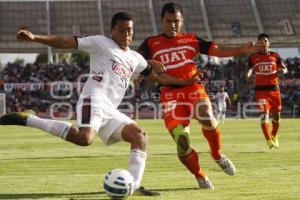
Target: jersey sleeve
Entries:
(142, 63)
(226, 95)
(204, 46)
(90, 44)
(249, 62)
(144, 49)
(279, 60)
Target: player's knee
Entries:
(211, 124)
(264, 118)
(181, 136)
(86, 138)
(183, 143)
(276, 117)
(140, 139)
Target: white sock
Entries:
(136, 166)
(54, 127)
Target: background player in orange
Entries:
(267, 66)
(177, 51)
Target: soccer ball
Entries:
(118, 183)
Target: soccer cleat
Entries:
(144, 192)
(227, 166)
(205, 183)
(271, 144)
(275, 141)
(16, 118)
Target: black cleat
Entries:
(141, 191)
(16, 118)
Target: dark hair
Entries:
(262, 35)
(171, 8)
(120, 16)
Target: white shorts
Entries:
(222, 107)
(108, 122)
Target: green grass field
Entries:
(35, 165)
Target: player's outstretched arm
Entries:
(64, 42)
(250, 47)
(249, 76)
(282, 70)
(228, 101)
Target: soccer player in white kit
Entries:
(112, 64)
(221, 97)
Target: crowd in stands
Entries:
(14, 79)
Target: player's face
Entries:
(122, 33)
(265, 44)
(172, 23)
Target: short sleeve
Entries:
(250, 64)
(90, 43)
(204, 46)
(279, 60)
(142, 63)
(144, 50)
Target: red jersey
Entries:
(265, 67)
(176, 54)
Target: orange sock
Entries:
(192, 163)
(275, 128)
(265, 129)
(214, 139)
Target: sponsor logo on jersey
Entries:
(171, 57)
(124, 70)
(265, 68)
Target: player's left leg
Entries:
(137, 159)
(275, 127)
(188, 156)
(204, 114)
(275, 110)
(223, 113)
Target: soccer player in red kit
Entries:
(177, 51)
(267, 66)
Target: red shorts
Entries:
(268, 100)
(178, 104)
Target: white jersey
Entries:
(110, 69)
(221, 98)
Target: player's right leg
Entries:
(15, 118)
(80, 136)
(123, 128)
(204, 114)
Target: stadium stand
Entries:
(230, 22)
(279, 18)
